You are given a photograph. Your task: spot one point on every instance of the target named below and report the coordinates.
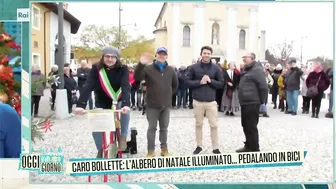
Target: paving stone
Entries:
(279, 132)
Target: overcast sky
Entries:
(281, 21)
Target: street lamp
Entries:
(119, 34)
(120, 26)
(302, 38)
(61, 93)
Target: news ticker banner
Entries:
(53, 163)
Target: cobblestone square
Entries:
(279, 132)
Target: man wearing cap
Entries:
(110, 80)
(161, 82)
(292, 86)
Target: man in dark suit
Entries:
(82, 74)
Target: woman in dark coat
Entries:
(38, 84)
(54, 85)
(320, 79)
(230, 101)
(275, 88)
(70, 85)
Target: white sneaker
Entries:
(72, 114)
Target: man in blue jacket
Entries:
(204, 78)
(10, 132)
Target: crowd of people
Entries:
(155, 87)
(205, 86)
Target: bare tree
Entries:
(270, 58)
(282, 51)
(324, 61)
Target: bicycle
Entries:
(109, 150)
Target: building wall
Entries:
(213, 13)
(160, 39)
(186, 20)
(47, 42)
(216, 12)
(38, 38)
(52, 38)
(168, 17)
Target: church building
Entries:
(230, 29)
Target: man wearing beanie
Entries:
(161, 82)
(110, 81)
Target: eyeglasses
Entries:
(108, 56)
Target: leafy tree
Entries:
(86, 53)
(102, 36)
(93, 38)
(8, 85)
(136, 48)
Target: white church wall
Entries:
(200, 18)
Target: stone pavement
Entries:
(279, 132)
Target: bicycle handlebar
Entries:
(99, 110)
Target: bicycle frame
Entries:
(114, 138)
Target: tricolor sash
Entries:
(115, 96)
(108, 89)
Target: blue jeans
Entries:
(124, 122)
(331, 101)
(182, 97)
(292, 100)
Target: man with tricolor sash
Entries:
(161, 83)
(109, 80)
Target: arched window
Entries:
(215, 34)
(242, 37)
(186, 36)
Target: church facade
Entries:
(230, 29)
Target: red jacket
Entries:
(131, 78)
